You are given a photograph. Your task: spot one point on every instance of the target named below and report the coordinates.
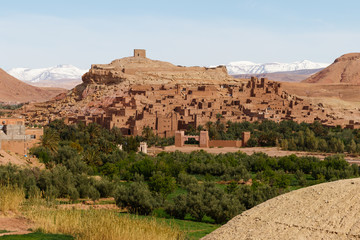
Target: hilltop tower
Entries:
(140, 53)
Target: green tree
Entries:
(352, 146)
(137, 198)
(50, 140)
(162, 184)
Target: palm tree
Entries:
(50, 140)
(94, 131)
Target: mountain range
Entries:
(14, 91)
(246, 67)
(68, 76)
(64, 76)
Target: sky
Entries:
(43, 33)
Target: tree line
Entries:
(288, 135)
(85, 162)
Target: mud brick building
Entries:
(15, 137)
(170, 108)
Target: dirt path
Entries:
(16, 225)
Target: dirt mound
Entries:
(345, 69)
(15, 91)
(324, 211)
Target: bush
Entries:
(94, 194)
(137, 198)
(105, 188)
(162, 184)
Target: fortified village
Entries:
(134, 92)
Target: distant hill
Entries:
(246, 67)
(15, 91)
(290, 76)
(344, 70)
(65, 76)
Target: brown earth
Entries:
(345, 69)
(15, 91)
(16, 225)
(15, 159)
(324, 211)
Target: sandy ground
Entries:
(324, 211)
(9, 157)
(16, 225)
(271, 151)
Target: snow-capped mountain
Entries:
(47, 74)
(246, 67)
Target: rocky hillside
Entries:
(344, 70)
(13, 90)
(141, 70)
(324, 211)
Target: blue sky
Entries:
(41, 33)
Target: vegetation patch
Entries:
(37, 236)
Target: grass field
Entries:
(37, 236)
(193, 230)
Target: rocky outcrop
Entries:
(141, 70)
(344, 70)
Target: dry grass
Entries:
(84, 224)
(11, 198)
(100, 225)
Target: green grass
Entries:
(38, 236)
(4, 231)
(193, 230)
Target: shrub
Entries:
(137, 198)
(94, 194)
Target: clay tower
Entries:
(140, 53)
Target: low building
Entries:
(15, 137)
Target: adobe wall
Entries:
(225, 143)
(20, 147)
(35, 133)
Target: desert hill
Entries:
(344, 70)
(15, 91)
(324, 211)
